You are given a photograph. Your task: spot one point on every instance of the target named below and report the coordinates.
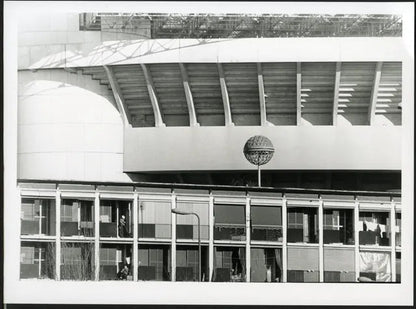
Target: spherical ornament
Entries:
(258, 150)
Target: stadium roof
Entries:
(243, 25)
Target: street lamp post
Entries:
(181, 212)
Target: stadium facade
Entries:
(114, 132)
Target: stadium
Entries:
(131, 129)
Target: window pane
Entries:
(154, 262)
(187, 225)
(266, 223)
(303, 264)
(35, 265)
(374, 228)
(229, 214)
(187, 263)
(302, 225)
(155, 219)
(398, 229)
(339, 265)
(398, 266)
(338, 226)
(229, 264)
(116, 262)
(375, 266)
(229, 222)
(116, 219)
(266, 265)
(77, 261)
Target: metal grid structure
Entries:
(158, 26)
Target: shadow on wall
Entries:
(113, 52)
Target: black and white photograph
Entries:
(234, 153)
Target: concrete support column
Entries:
(284, 247)
(173, 240)
(321, 238)
(97, 236)
(356, 238)
(135, 236)
(211, 236)
(58, 234)
(248, 239)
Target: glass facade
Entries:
(243, 239)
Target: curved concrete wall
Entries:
(69, 128)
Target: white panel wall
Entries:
(297, 147)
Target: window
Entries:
(302, 224)
(37, 260)
(398, 229)
(375, 266)
(77, 218)
(115, 219)
(339, 265)
(187, 225)
(266, 265)
(229, 222)
(229, 264)
(187, 267)
(116, 262)
(154, 262)
(266, 223)
(38, 217)
(302, 264)
(155, 219)
(338, 226)
(398, 266)
(77, 261)
(374, 228)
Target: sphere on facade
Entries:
(258, 150)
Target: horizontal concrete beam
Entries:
(307, 148)
(213, 51)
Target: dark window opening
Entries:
(37, 260)
(374, 228)
(38, 217)
(154, 263)
(77, 218)
(266, 265)
(302, 224)
(266, 223)
(229, 222)
(116, 219)
(116, 262)
(229, 264)
(338, 226)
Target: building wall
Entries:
(68, 128)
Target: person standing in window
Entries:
(123, 232)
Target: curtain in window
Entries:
(378, 263)
(277, 253)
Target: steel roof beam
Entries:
(336, 93)
(188, 94)
(118, 96)
(374, 92)
(298, 93)
(262, 96)
(225, 97)
(153, 98)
